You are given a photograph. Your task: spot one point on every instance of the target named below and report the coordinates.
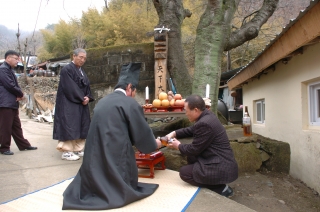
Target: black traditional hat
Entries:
(130, 74)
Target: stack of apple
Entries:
(168, 99)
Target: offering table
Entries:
(148, 161)
(164, 114)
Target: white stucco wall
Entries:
(286, 112)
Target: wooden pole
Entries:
(35, 112)
(160, 65)
(25, 60)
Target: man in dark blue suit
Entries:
(211, 162)
(10, 95)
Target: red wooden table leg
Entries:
(150, 164)
(151, 171)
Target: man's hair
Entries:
(196, 101)
(78, 50)
(11, 52)
(124, 86)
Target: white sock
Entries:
(225, 188)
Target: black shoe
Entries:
(7, 153)
(228, 192)
(30, 148)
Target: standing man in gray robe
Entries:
(108, 176)
(72, 115)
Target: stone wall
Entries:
(43, 88)
(103, 67)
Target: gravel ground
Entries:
(274, 192)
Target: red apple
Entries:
(179, 102)
(177, 96)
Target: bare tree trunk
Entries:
(212, 33)
(214, 36)
(25, 65)
(171, 15)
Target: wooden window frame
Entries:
(260, 114)
(314, 103)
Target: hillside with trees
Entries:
(8, 40)
(133, 21)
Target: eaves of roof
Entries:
(40, 64)
(66, 57)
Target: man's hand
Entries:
(174, 144)
(20, 98)
(158, 143)
(171, 135)
(86, 100)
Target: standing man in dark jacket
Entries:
(211, 162)
(10, 95)
(72, 115)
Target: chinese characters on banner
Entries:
(160, 65)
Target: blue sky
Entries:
(25, 12)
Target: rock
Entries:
(280, 154)
(247, 157)
(155, 124)
(222, 119)
(244, 140)
(174, 160)
(270, 184)
(254, 153)
(258, 145)
(176, 123)
(281, 201)
(264, 156)
(247, 139)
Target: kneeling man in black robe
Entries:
(108, 177)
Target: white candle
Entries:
(147, 92)
(207, 90)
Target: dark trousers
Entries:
(10, 125)
(187, 176)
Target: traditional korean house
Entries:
(281, 88)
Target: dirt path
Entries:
(274, 192)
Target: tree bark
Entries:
(214, 36)
(171, 15)
(212, 33)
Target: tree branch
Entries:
(251, 29)
(245, 18)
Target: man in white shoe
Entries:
(72, 115)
